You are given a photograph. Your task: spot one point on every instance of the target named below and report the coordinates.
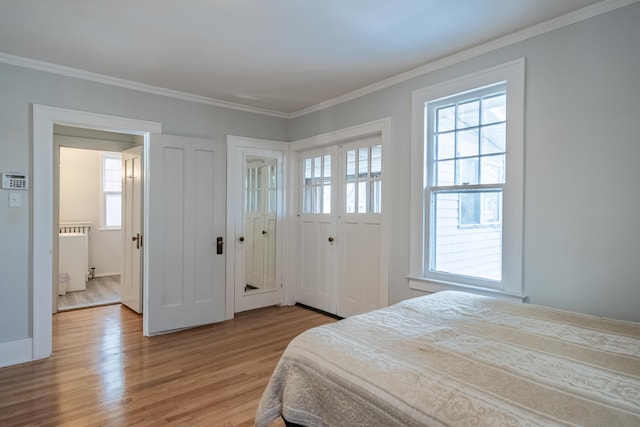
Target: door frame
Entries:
(380, 127)
(44, 117)
(237, 147)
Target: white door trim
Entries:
(44, 117)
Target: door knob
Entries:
(219, 245)
(264, 232)
(330, 239)
(138, 239)
(241, 238)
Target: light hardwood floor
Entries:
(100, 291)
(104, 372)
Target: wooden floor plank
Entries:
(104, 372)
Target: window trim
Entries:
(104, 194)
(511, 285)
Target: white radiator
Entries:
(73, 257)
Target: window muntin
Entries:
(112, 190)
(316, 185)
(363, 180)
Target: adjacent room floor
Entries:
(100, 291)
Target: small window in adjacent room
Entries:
(111, 190)
(466, 213)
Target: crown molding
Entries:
(527, 33)
(128, 84)
(536, 30)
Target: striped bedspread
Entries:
(455, 359)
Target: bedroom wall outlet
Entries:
(15, 200)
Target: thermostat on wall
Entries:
(15, 181)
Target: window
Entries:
(112, 190)
(316, 186)
(363, 180)
(467, 148)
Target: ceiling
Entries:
(279, 55)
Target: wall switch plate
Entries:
(15, 200)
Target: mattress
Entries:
(455, 359)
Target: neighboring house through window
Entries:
(111, 191)
(467, 199)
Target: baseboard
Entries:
(106, 274)
(15, 352)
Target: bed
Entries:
(453, 358)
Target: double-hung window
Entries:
(467, 200)
(111, 191)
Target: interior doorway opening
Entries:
(90, 210)
(44, 232)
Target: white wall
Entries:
(582, 150)
(80, 192)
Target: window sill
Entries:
(430, 285)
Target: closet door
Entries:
(317, 242)
(362, 283)
(342, 256)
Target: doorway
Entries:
(91, 169)
(44, 232)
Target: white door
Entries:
(362, 284)
(317, 239)
(341, 255)
(185, 281)
(258, 277)
(131, 278)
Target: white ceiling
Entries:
(280, 55)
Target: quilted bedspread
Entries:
(452, 359)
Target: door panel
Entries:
(131, 279)
(360, 269)
(186, 277)
(317, 261)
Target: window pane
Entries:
(446, 118)
(317, 167)
(492, 169)
(467, 171)
(363, 162)
(468, 251)
(351, 164)
(362, 197)
(494, 109)
(468, 114)
(326, 199)
(327, 165)
(446, 172)
(376, 196)
(468, 143)
(493, 139)
(350, 206)
(376, 160)
(113, 210)
(307, 168)
(446, 145)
